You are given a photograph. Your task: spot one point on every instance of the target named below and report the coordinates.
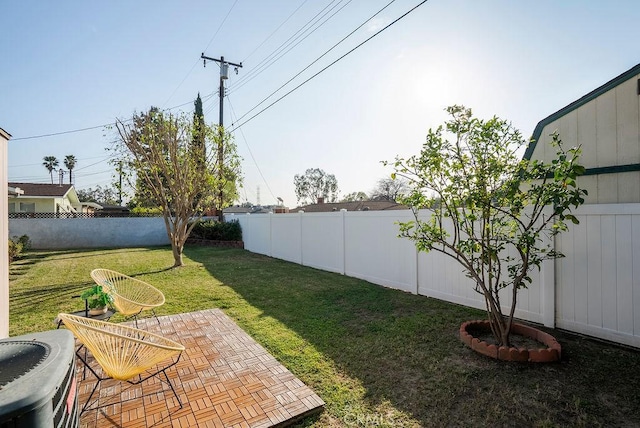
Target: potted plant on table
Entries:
(97, 300)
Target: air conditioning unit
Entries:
(37, 381)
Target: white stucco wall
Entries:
(59, 233)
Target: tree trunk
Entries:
(177, 254)
(500, 327)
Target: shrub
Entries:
(216, 231)
(146, 212)
(25, 241)
(17, 245)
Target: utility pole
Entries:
(224, 75)
(120, 183)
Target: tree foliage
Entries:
(70, 162)
(228, 173)
(158, 148)
(389, 189)
(314, 184)
(354, 197)
(99, 194)
(51, 163)
(199, 133)
(494, 209)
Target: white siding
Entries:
(608, 130)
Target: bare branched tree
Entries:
(157, 147)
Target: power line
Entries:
(290, 49)
(221, 24)
(288, 42)
(197, 61)
(180, 84)
(328, 66)
(275, 31)
(39, 163)
(33, 137)
(318, 59)
(250, 152)
(59, 133)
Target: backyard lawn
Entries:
(376, 356)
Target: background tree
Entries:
(51, 163)
(227, 170)
(158, 148)
(388, 189)
(199, 132)
(70, 162)
(103, 195)
(314, 184)
(355, 196)
(494, 208)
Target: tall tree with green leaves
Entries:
(494, 210)
(227, 169)
(314, 184)
(70, 162)
(158, 148)
(51, 163)
(199, 132)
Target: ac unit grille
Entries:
(64, 398)
(40, 384)
(19, 357)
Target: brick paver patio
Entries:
(224, 379)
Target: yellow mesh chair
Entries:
(130, 296)
(123, 352)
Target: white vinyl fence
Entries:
(594, 290)
(598, 282)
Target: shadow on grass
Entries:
(404, 350)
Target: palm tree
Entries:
(70, 163)
(50, 162)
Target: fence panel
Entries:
(373, 251)
(323, 240)
(442, 277)
(256, 232)
(598, 282)
(286, 237)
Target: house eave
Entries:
(537, 132)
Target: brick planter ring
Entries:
(549, 354)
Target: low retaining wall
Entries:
(220, 244)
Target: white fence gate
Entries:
(594, 290)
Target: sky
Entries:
(72, 65)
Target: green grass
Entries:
(378, 357)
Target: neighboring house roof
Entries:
(93, 205)
(44, 190)
(351, 206)
(246, 210)
(537, 132)
(113, 207)
(4, 134)
(15, 191)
